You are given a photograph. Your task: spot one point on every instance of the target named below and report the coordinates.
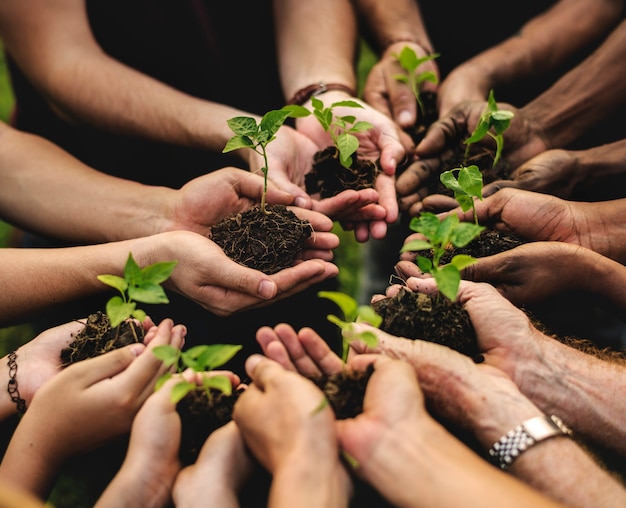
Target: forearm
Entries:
(600, 227)
(546, 41)
(46, 190)
(311, 483)
(37, 279)
(586, 392)
(393, 21)
(601, 161)
(583, 96)
(316, 43)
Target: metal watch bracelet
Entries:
(527, 434)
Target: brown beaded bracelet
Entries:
(12, 386)
(304, 94)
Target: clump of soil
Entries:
(328, 177)
(97, 337)
(268, 242)
(431, 318)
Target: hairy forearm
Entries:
(583, 96)
(546, 41)
(46, 190)
(316, 43)
(38, 279)
(395, 20)
(588, 393)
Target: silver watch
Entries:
(530, 432)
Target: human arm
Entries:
(394, 25)
(327, 39)
(151, 468)
(409, 457)
(541, 217)
(563, 173)
(87, 405)
(218, 474)
(283, 420)
(204, 274)
(545, 42)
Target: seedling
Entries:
(138, 285)
(410, 62)
(491, 118)
(467, 186)
(352, 312)
(201, 358)
(249, 134)
(442, 235)
(340, 128)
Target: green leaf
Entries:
(424, 264)
(118, 310)
(243, 126)
(147, 293)
(347, 145)
(237, 142)
(167, 354)
(221, 383)
(478, 134)
(208, 356)
(449, 180)
(416, 245)
(471, 181)
(114, 281)
(132, 272)
(296, 111)
(464, 233)
(368, 314)
(408, 59)
(159, 272)
(162, 380)
(348, 305)
(347, 104)
(426, 223)
(369, 339)
(461, 261)
(273, 120)
(139, 315)
(180, 390)
(361, 126)
(448, 280)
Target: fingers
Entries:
(105, 366)
(273, 347)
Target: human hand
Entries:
(389, 95)
(465, 83)
(207, 199)
(218, 474)
(88, 404)
(554, 172)
(283, 418)
(303, 351)
(523, 139)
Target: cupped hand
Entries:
(205, 200)
(554, 172)
(391, 96)
(523, 139)
(304, 351)
(465, 83)
(282, 412)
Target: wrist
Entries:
(315, 89)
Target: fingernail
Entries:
(405, 119)
(267, 289)
(300, 202)
(136, 349)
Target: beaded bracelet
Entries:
(12, 386)
(304, 94)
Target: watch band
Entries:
(527, 434)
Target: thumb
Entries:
(107, 365)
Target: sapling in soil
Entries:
(410, 62)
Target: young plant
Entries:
(203, 358)
(138, 285)
(410, 62)
(491, 118)
(467, 186)
(340, 128)
(249, 134)
(440, 236)
(352, 312)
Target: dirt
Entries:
(328, 177)
(97, 338)
(268, 242)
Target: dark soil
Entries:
(436, 318)
(266, 242)
(329, 177)
(425, 118)
(97, 337)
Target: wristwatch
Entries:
(528, 433)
